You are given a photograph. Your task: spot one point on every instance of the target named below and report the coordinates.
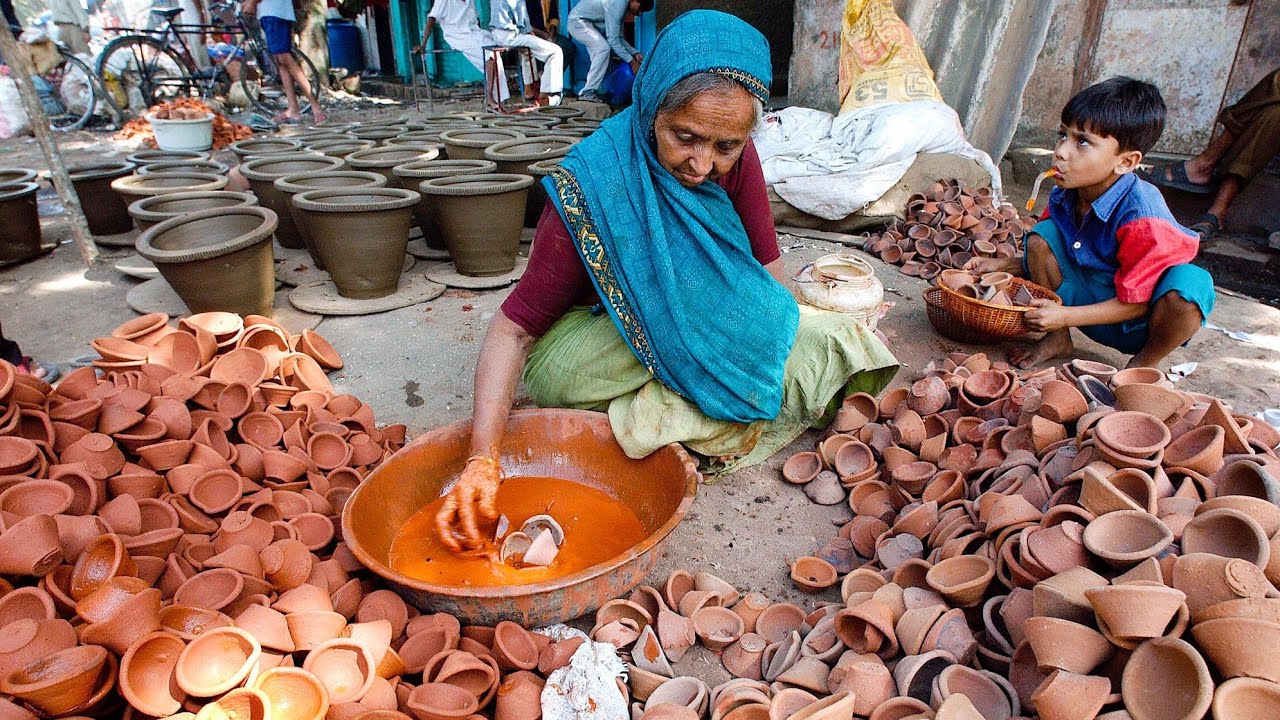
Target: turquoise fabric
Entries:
(672, 264)
(1084, 286)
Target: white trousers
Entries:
(597, 47)
(547, 53)
(471, 43)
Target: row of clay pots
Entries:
(1099, 540)
(169, 537)
(945, 227)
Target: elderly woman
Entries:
(655, 290)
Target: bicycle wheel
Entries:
(260, 81)
(147, 71)
(68, 93)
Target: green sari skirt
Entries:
(584, 363)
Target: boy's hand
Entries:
(1046, 316)
(983, 265)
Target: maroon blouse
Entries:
(557, 280)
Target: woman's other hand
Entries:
(471, 502)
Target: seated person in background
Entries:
(509, 23)
(1109, 245)
(1250, 137)
(544, 15)
(461, 27)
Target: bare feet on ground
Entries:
(1053, 345)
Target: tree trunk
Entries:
(313, 34)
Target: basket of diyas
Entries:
(986, 307)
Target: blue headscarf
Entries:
(672, 264)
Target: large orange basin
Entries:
(575, 445)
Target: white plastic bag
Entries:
(587, 689)
(13, 117)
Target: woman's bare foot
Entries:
(1053, 345)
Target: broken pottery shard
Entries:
(542, 552)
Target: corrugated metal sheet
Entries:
(983, 53)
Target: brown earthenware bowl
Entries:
(572, 445)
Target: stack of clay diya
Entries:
(1071, 543)
(947, 226)
(997, 288)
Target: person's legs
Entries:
(597, 47)
(547, 53)
(1180, 304)
(278, 33)
(1045, 271)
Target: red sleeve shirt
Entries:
(556, 280)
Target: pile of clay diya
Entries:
(1072, 543)
(945, 227)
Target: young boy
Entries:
(1109, 247)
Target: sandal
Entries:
(30, 366)
(1175, 176)
(1206, 226)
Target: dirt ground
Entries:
(415, 366)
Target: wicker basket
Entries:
(949, 328)
(989, 319)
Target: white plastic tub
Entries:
(183, 134)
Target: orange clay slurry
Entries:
(1035, 189)
(596, 528)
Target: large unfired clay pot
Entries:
(361, 235)
(16, 175)
(20, 229)
(151, 211)
(291, 185)
(470, 143)
(538, 194)
(149, 157)
(488, 247)
(411, 175)
(205, 166)
(382, 159)
(218, 259)
(253, 147)
(518, 156)
(262, 173)
(105, 211)
(136, 187)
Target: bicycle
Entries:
(67, 89)
(155, 65)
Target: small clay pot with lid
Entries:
(263, 146)
(361, 235)
(383, 159)
(106, 212)
(134, 187)
(262, 174)
(290, 185)
(20, 231)
(217, 259)
(410, 176)
(151, 211)
(470, 143)
(480, 249)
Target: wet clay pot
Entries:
(217, 259)
(470, 143)
(360, 235)
(151, 211)
(105, 211)
(515, 156)
(263, 146)
(135, 187)
(291, 185)
(20, 231)
(481, 248)
(262, 174)
(383, 160)
(411, 175)
(203, 166)
(537, 201)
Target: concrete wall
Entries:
(1203, 54)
